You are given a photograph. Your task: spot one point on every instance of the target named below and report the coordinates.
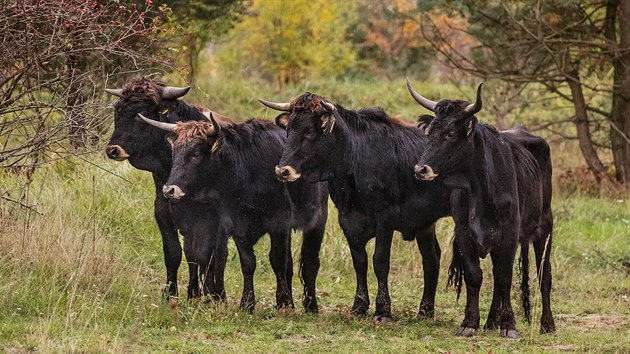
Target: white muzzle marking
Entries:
(172, 191)
(425, 173)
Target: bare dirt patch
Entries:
(586, 322)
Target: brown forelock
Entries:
(144, 87)
(192, 131)
(308, 102)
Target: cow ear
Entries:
(216, 145)
(424, 121)
(282, 120)
(471, 122)
(328, 122)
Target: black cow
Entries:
(231, 167)
(501, 197)
(366, 157)
(147, 149)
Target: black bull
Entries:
(367, 159)
(501, 197)
(147, 149)
(230, 166)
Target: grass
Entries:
(86, 276)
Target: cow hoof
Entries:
(509, 333)
(311, 309)
(547, 326)
(248, 307)
(382, 320)
(425, 313)
(465, 332)
(359, 311)
(310, 305)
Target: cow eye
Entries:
(310, 133)
(451, 135)
(196, 154)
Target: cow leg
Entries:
(360, 262)
(473, 277)
(170, 245)
(206, 268)
(382, 251)
(278, 259)
(193, 275)
(248, 266)
(494, 315)
(309, 265)
(288, 274)
(220, 260)
(542, 247)
(430, 251)
(502, 262)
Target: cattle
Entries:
(148, 149)
(501, 196)
(230, 166)
(367, 158)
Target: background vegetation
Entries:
(81, 267)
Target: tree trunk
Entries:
(572, 77)
(620, 115)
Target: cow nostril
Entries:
(170, 191)
(285, 172)
(423, 169)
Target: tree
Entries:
(198, 22)
(287, 41)
(566, 46)
(57, 56)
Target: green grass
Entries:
(86, 276)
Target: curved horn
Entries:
(329, 107)
(115, 92)
(424, 102)
(172, 92)
(475, 107)
(215, 125)
(275, 105)
(169, 127)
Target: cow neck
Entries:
(368, 135)
(482, 190)
(346, 149)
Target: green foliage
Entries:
(290, 41)
(195, 23)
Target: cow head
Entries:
(193, 149)
(132, 138)
(311, 146)
(450, 135)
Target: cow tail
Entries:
(525, 281)
(456, 270)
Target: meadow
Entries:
(82, 271)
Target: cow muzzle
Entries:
(116, 152)
(287, 174)
(172, 191)
(424, 172)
